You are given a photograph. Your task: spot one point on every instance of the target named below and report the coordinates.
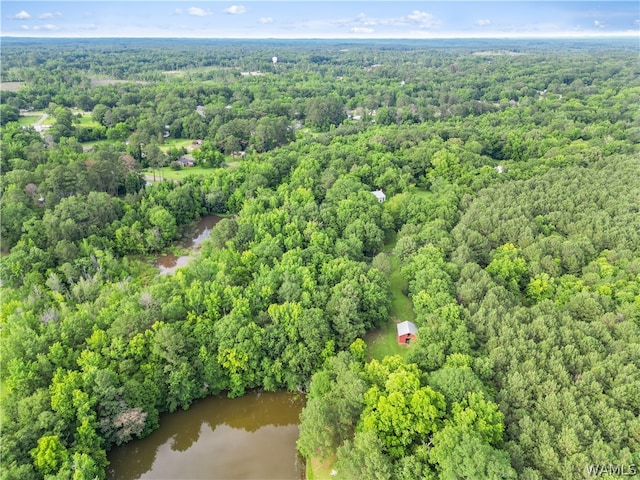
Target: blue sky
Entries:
(319, 19)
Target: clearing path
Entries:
(380, 343)
(384, 341)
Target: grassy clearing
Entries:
(384, 341)
(401, 306)
(34, 116)
(422, 193)
(85, 119)
(11, 86)
(175, 142)
(27, 120)
(92, 143)
(320, 469)
(101, 82)
(34, 113)
(390, 244)
(167, 173)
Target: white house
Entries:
(379, 194)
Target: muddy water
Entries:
(201, 231)
(168, 264)
(251, 437)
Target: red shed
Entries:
(407, 331)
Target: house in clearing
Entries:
(407, 331)
(379, 194)
(186, 161)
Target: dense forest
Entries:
(512, 212)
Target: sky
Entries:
(319, 19)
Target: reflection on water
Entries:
(168, 264)
(251, 437)
(201, 231)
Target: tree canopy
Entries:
(511, 214)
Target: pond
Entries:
(168, 264)
(250, 437)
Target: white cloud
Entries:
(367, 21)
(416, 18)
(21, 15)
(25, 27)
(266, 20)
(483, 22)
(48, 27)
(362, 30)
(599, 24)
(198, 12)
(49, 15)
(178, 11)
(424, 19)
(236, 9)
(89, 26)
(416, 23)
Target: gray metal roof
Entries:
(406, 327)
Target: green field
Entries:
(27, 120)
(92, 143)
(401, 306)
(175, 142)
(167, 173)
(320, 470)
(32, 117)
(383, 342)
(422, 193)
(85, 119)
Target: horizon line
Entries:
(495, 36)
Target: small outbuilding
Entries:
(379, 194)
(407, 331)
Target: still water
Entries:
(168, 264)
(251, 437)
